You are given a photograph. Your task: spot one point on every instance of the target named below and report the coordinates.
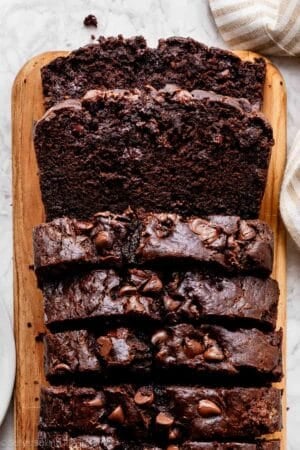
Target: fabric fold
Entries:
(271, 27)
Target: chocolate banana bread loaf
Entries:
(159, 150)
(102, 296)
(180, 350)
(53, 440)
(226, 243)
(149, 412)
(116, 62)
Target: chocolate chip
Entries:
(97, 402)
(127, 290)
(173, 447)
(134, 305)
(192, 347)
(164, 356)
(206, 232)
(139, 277)
(213, 354)
(103, 240)
(170, 304)
(159, 337)
(90, 21)
(166, 218)
(144, 398)
(225, 73)
(104, 214)
(218, 139)
(232, 243)
(174, 434)
(161, 233)
(78, 128)
(165, 225)
(117, 415)
(62, 366)
(219, 243)
(164, 419)
(183, 96)
(174, 282)
(105, 345)
(207, 408)
(104, 428)
(246, 232)
(153, 285)
(84, 225)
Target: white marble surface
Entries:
(34, 26)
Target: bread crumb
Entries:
(90, 21)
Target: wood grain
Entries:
(27, 107)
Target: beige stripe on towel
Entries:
(268, 26)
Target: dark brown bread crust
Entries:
(116, 62)
(226, 243)
(203, 350)
(145, 412)
(271, 445)
(105, 295)
(63, 441)
(159, 150)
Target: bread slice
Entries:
(106, 296)
(193, 153)
(144, 412)
(180, 352)
(116, 62)
(224, 243)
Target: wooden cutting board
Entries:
(27, 107)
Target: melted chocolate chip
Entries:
(207, 408)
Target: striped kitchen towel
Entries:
(290, 192)
(270, 27)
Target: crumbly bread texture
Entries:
(193, 153)
(116, 62)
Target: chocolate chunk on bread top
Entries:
(116, 62)
(52, 440)
(226, 243)
(155, 411)
(193, 153)
(207, 350)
